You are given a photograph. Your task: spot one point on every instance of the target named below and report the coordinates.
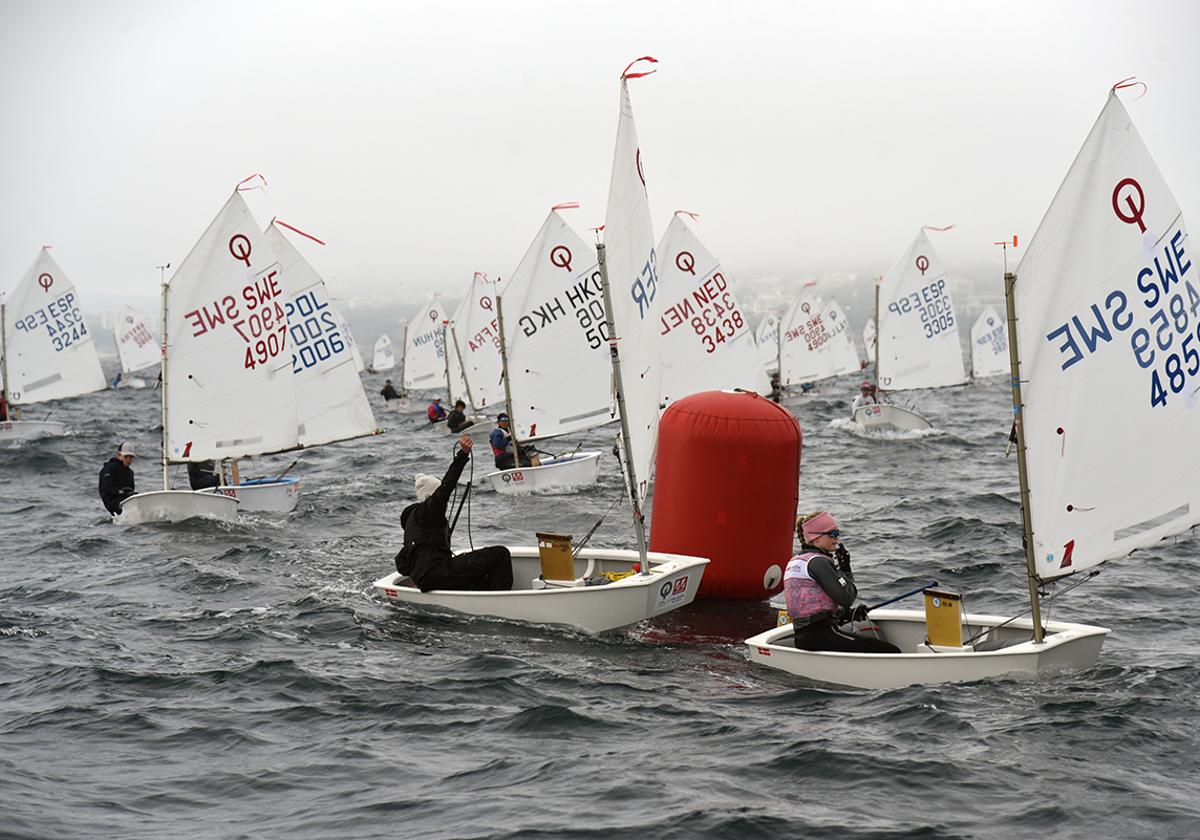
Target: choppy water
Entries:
(200, 680)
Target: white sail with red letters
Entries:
(707, 343)
(137, 346)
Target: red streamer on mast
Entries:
(282, 223)
(939, 229)
(240, 188)
(695, 216)
(625, 74)
(1132, 82)
(566, 205)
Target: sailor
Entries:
(3, 406)
(775, 390)
(820, 591)
(866, 396)
(203, 474)
(116, 383)
(457, 420)
(388, 392)
(435, 412)
(426, 555)
(116, 479)
(501, 441)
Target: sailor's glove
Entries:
(125, 492)
(859, 613)
(842, 558)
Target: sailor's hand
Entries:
(859, 613)
(842, 557)
(466, 443)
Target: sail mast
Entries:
(878, 280)
(639, 522)
(8, 407)
(446, 357)
(779, 351)
(1014, 360)
(462, 367)
(163, 370)
(508, 407)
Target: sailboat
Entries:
(556, 373)
(766, 336)
(662, 582)
(137, 347)
(473, 354)
(917, 344)
(707, 343)
(1110, 262)
(989, 345)
(382, 357)
(815, 342)
(425, 366)
(46, 349)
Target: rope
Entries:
(1047, 602)
(588, 535)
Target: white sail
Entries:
(767, 338)
(632, 266)
(49, 350)
(476, 337)
(352, 343)
(918, 331)
(1107, 303)
(555, 336)
(989, 345)
(230, 389)
(868, 336)
(330, 402)
(383, 357)
(424, 348)
(804, 354)
(137, 347)
(707, 343)
(843, 355)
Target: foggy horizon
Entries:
(424, 144)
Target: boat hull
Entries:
(1067, 647)
(399, 404)
(565, 473)
(131, 382)
(890, 417)
(11, 430)
(176, 506)
(264, 495)
(672, 583)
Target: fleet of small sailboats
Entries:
(256, 361)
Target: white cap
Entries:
(126, 449)
(425, 485)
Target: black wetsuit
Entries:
(456, 421)
(426, 555)
(116, 484)
(821, 631)
(202, 475)
(389, 393)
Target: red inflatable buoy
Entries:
(726, 486)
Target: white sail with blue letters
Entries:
(918, 330)
(425, 348)
(632, 267)
(330, 402)
(48, 347)
(843, 355)
(707, 344)
(383, 357)
(555, 337)
(230, 388)
(989, 345)
(1108, 331)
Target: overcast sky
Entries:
(427, 140)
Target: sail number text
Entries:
(1165, 340)
(711, 312)
(931, 303)
(315, 332)
(258, 318)
(62, 319)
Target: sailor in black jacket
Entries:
(426, 555)
(116, 479)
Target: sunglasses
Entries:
(834, 533)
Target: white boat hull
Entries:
(673, 582)
(565, 473)
(176, 506)
(479, 430)
(890, 417)
(399, 404)
(1066, 647)
(30, 429)
(131, 382)
(264, 495)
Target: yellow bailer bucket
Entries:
(943, 618)
(558, 563)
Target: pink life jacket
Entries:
(805, 597)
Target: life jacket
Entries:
(497, 437)
(435, 412)
(806, 600)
